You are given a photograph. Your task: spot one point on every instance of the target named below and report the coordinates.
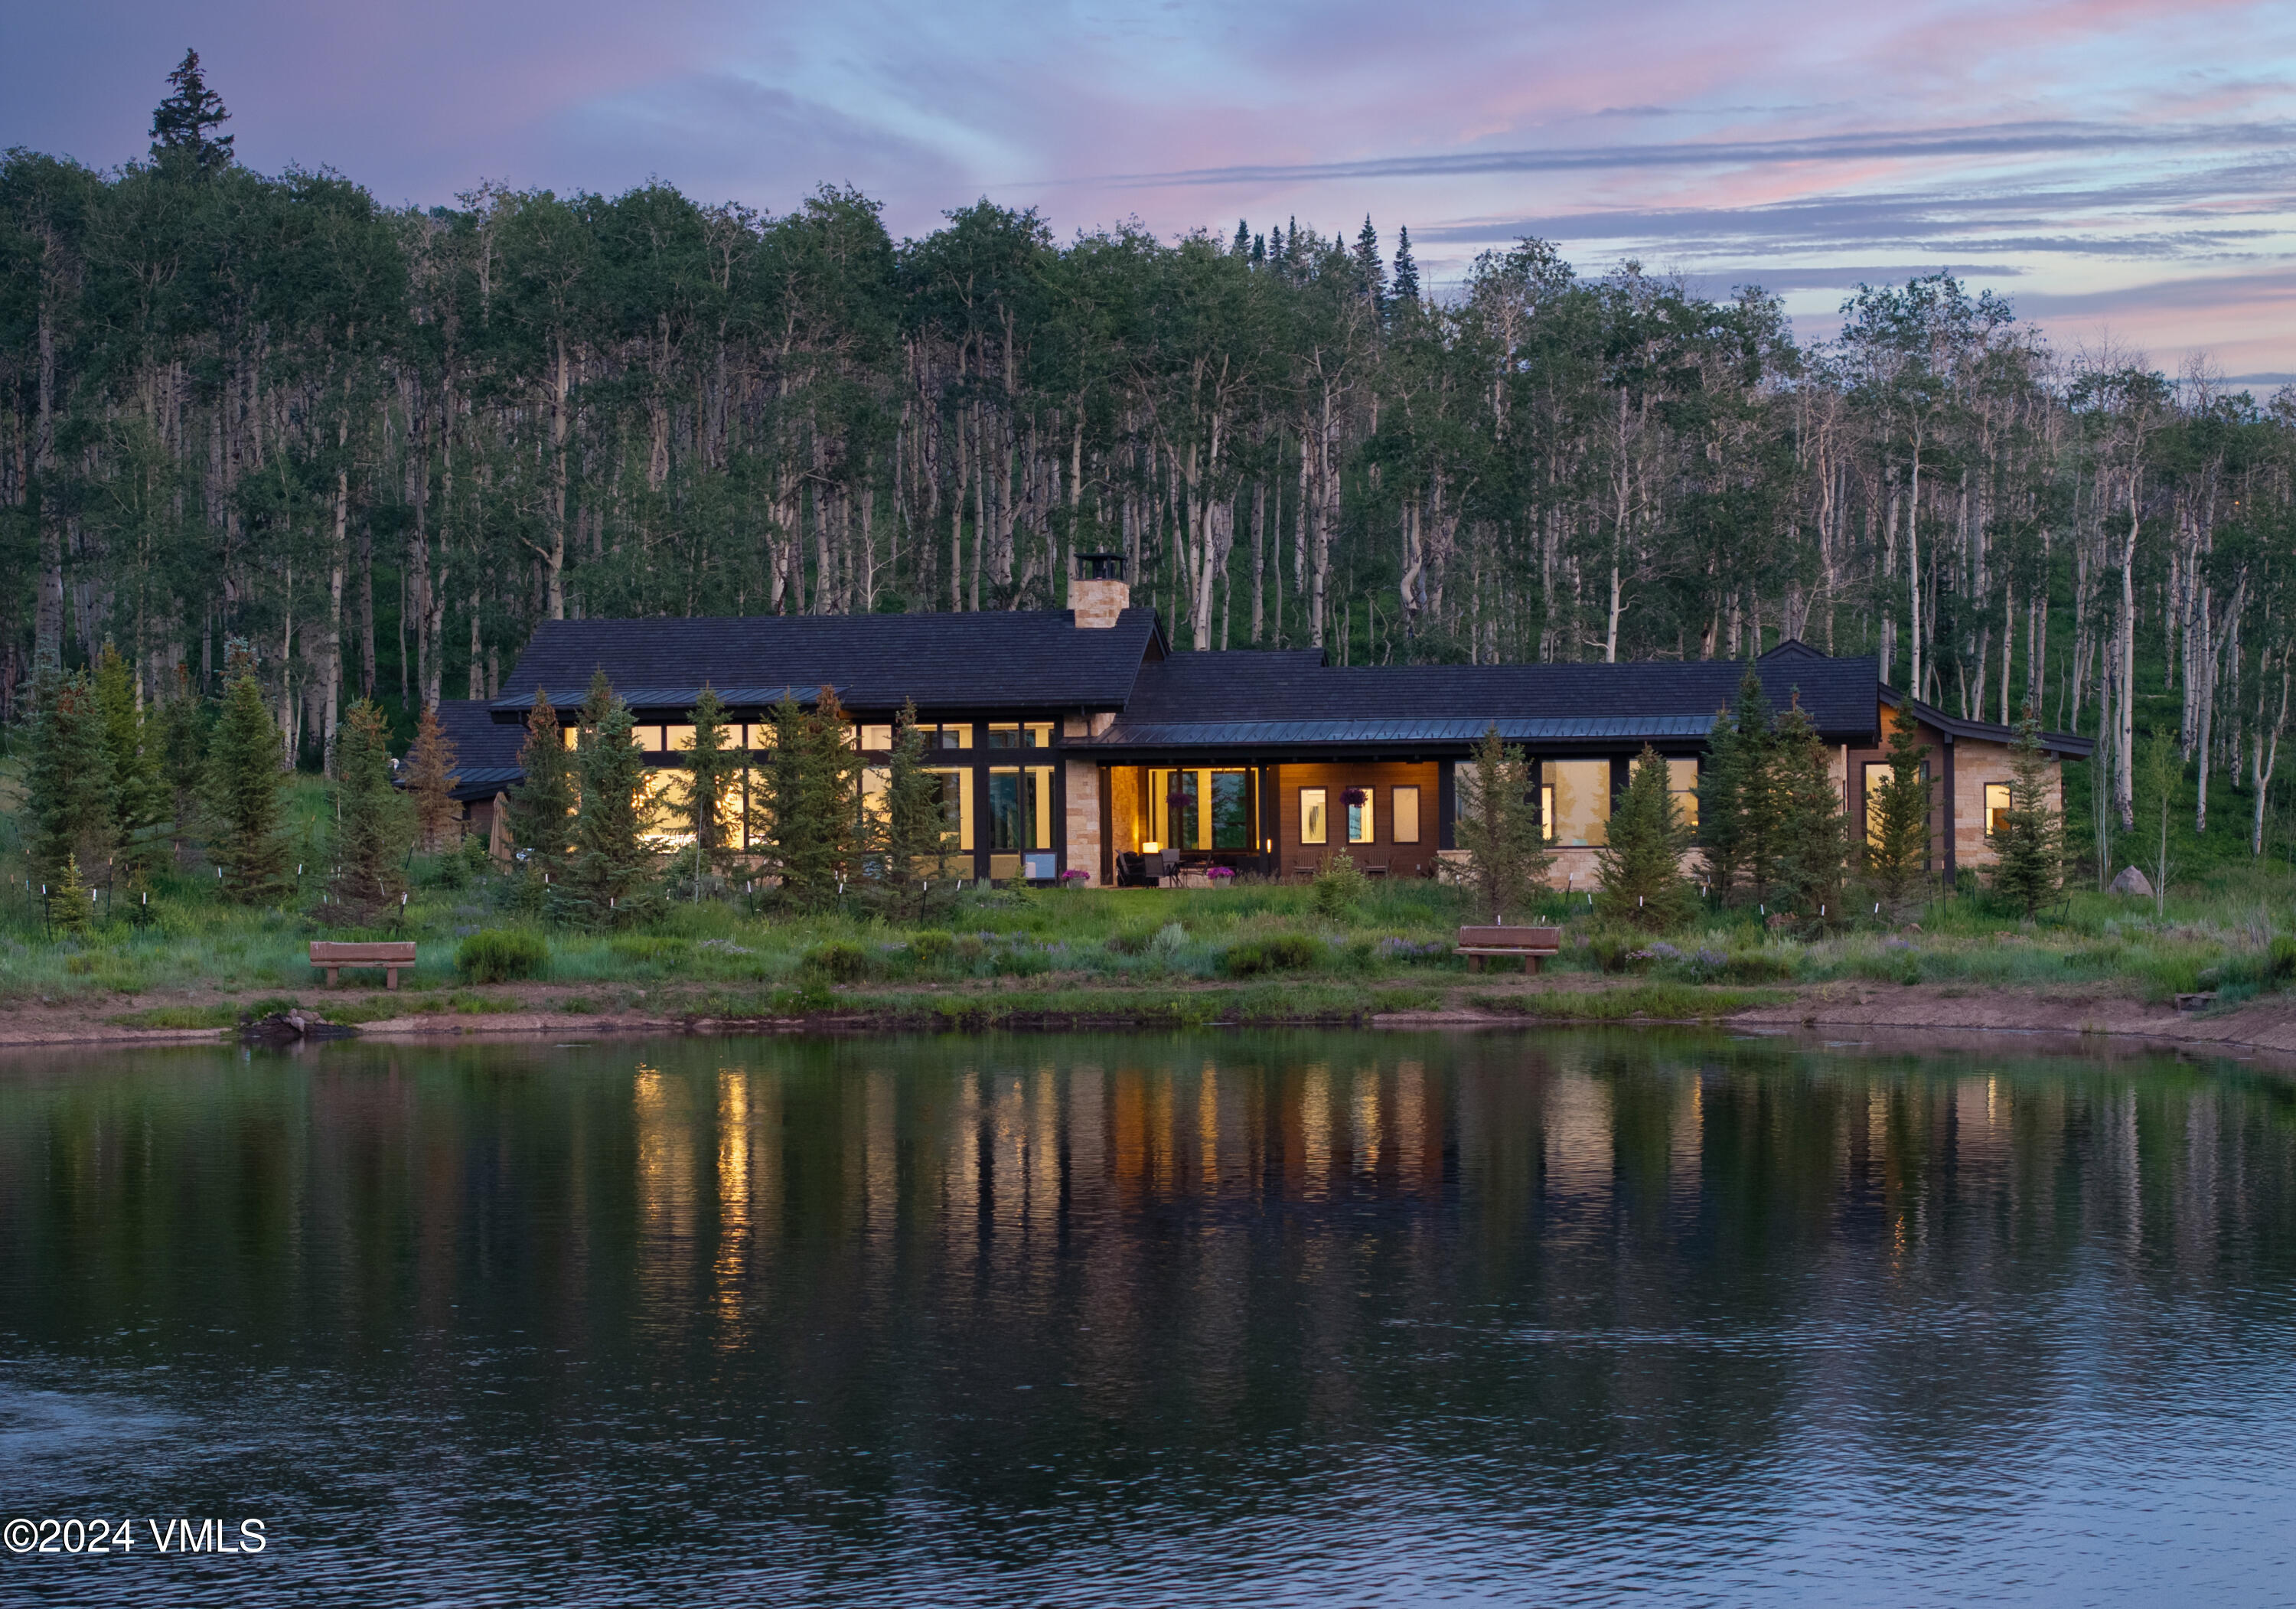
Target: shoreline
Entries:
(1976, 1017)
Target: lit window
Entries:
(1403, 812)
(1546, 812)
(1682, 783)
(876, 739)
(1311, 816)
(761, 735)
(1014, 734)
(1878, 774)
(1359, 814)
(956, 806)
(571, 736)
(681, 739)
(1577, 799)
(648, 738)
(1997, 806)
(949, 737)
(1020, 807)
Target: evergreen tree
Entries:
(1733, 814)
(375, 822)
(1499, 826)
(244, 805)
(1406, 270)
(1371, 272)
(1640, 862)
(2028, 842)
(1898, 823)
(542, 805)
(1804, 843)
(138, 803)
(609, 880)
(1242, 245)
(914, 827)
(810, 795)
(183, 124)
(713, 780)
(181, 748)
(71, 903)
(431, 778)
(68, 784)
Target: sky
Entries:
(2123, 170)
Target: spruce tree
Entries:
(138, 803)
(811, 801)
(1498, 825)
(2029, 843)
(1371, 273)
(244, 803)
(609, 880)
(182, 750)
(1640, 862)
(913, 829)
(375, 822)
(542, 805)
(1804, 840)
(1406, 270)
(431, 778)
(68, 783)
(1733, 814)
(1898, 823)
(183, 124)
(71, 902)
(713, 778)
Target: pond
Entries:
(1268, 1319)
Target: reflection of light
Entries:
(733, 1198)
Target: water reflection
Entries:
(1282, 1316)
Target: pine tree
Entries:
(1242, 245)
(375, 822)
(810, 795)
(1804, 841)
(1406, 270)
(431, 778)
(1499, 826)
(138, 805)
(68, 786)
(913, 829)
(609, 881)
(1640, 862)
(1898, 823)
(181, 124)
(2029, 843)
(181, 748)
(713, 777)
(1371, 273)
(244, 792)
(71, 902)
(1732, 814)
(542, 805)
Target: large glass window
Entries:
(876, 739)
(1203, 809)
(1578, 799)
(648, 738)
(1020, 808)
(956, 805)
(1997, 806)
(1877, 778)
(679, 739)
(1403, 815)
(1361, 827)
(1014, 735)
(1312, 825)
(1233, 827)
(1682, 781)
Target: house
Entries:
(1076, 739)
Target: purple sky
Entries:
(2122, 168)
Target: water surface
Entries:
(1281, 1319)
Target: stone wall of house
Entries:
(1083, 845)
(1976, 763)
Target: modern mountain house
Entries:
(1076, 739)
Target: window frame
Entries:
(1395, 813)
(1322, 835)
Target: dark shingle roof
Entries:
(1433, 703)
(486, 752)
(1039, 659)
(2065, 745)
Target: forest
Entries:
(372, 446)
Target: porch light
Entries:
(1151, 847)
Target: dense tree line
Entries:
(377, 445)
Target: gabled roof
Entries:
(2066, 745)
(1038, 659)
(1222, 694)
(486, 752)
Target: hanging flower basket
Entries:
(1354, 796)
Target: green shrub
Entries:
(1339, 887)
(1278, 953)
(838, 961)
(1757, 967)
(2280, 961)
(649, 947)
(1170, 939)
(930, 946)
(1133, 941)
(499, 955)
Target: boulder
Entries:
(2132, 881)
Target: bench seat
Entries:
(1533, 945)
(389, 955)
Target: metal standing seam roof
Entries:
(680, 698)
(1180, 734)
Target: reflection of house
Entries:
(1074, 738)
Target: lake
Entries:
(1313, 1319)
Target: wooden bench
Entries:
(390, 956)
(1532, 944)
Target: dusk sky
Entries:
(2122, 169)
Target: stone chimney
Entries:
(1098, 591)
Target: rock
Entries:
(2132, 881)
(285, 1027)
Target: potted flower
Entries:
(1076, 877)
(1221, 875)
